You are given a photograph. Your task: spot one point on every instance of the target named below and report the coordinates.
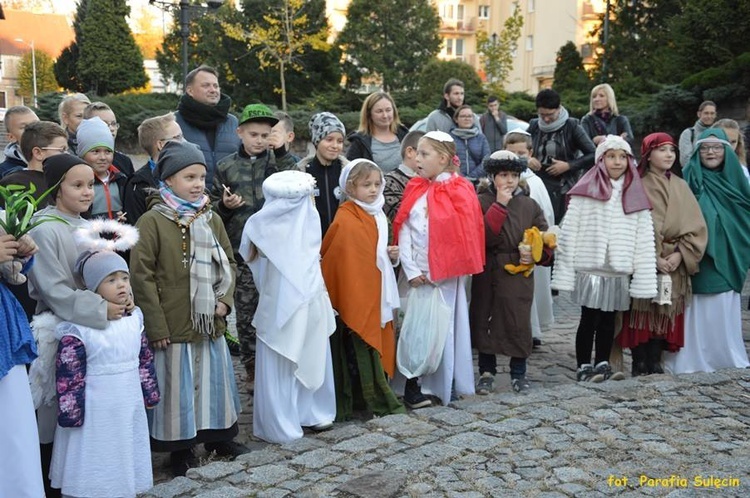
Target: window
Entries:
(484, 12)
(531, 6)
(459, 48)
(530, 43)
(3, 100)
(460, 13)
(449, 46)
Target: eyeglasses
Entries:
(112, 124)
(466, 116)
(60, 150)
(711, 148)
(176, 138)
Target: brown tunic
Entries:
(500, 311)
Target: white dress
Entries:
(109, 454)
(456, 369)
(713, 336)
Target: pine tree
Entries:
(569, 71)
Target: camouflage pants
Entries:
(245, 303)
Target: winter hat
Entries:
(612, 142)
(323, 124)
(176, 156)
(93, 267)
(503, 160)
(93, 133)
(258, 113)
(55, 168)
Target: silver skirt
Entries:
(602, 293)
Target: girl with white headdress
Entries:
(293, 375)
(358, 271)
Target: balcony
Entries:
(465, 26)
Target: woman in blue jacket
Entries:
(471, 144)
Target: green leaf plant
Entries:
(20, 206)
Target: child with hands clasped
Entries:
(104, 377)
(183, 279)
(606, 252)
(501, 303)
(440, 233)
(358, 272)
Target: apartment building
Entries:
(548, 25)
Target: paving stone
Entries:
(474, 441)
(366, 442)
(420, 489)
(179, 486)
(226, 492)
(570, 474)
(317, 459)
(512, 425)
(303, 444)
(268, 475)
(262, 457)
(215, 470)
(273, 493)
(375, 485)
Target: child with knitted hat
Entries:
(237, 194)
(96, 146)
(500, 310)
(103, 377)
(327, 134)
(184, 261)
(606, 252)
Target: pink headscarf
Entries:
(651, 142)
(597, 184)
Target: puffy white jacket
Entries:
(600, 238)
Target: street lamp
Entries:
(184, 7)
(33, 65)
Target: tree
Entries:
(45, 75)
(67, 63)
(147, 36)
(281, 39)
(434, 75)
(390, 39)
(496, 54)
(569, 71)
(110, 61)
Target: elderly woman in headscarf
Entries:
(713, 322)
(680, 236)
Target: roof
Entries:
(51, 33)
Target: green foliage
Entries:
(110, 61)
(434, 75)
(497, 55)
(390, 39)
(19, 207)
(729, 81)
(45, 75)
(66, 64)
(570, 75)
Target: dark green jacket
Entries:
(244, 176)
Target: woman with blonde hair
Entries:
(70, 111)
(736, 141)
(378, 138)
(604, 118)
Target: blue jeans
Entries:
(488, 363)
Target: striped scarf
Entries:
(210, 272)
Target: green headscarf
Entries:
(724, 198)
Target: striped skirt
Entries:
(198, 393)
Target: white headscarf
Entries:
(389, 298)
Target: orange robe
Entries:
(353, 279)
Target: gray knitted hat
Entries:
(93, 268)
(93, 133)
(176, 156)
(323, 124)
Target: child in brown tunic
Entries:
(500, 311)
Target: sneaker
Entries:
(323, 426)
(486, 384)
(520, 385)
(413, 397)
(603, 371)
(536, 342)
(585, 372)
(227, 448)
(233, 344)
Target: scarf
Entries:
(597, 184)
(466, 133)
(455, 225)
(389, 298)
(203, 116)
(556, 124)
(724, 198)
(601, 121)
(210, 272)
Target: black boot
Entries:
(639, 360)
(655, 347)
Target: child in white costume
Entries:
(104, 377)
(294, 385)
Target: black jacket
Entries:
(137, 191)
(360, 144)
(328, 195)
(617, 125)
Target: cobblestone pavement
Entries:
(650, 436)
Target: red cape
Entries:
(456, 225)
